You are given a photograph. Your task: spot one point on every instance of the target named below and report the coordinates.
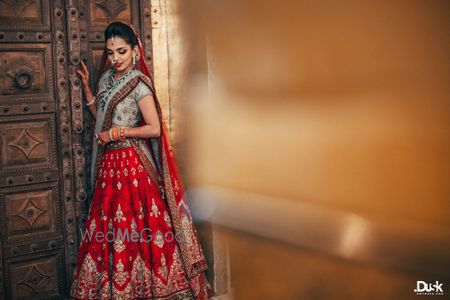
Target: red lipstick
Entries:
(117, 65)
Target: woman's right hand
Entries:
(84, 74)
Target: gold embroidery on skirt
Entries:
(88, 277)
(163, 269)
(120, 276)
(141, 278)
(119, 246)
(159, 239)
(167, 219)
(155, 212)
(92, 226)
(119, 214)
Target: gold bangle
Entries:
(116, 134)
(111, 135)
(122, 133)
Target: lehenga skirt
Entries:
(129, 249)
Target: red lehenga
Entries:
(139, 241)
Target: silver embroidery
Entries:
(119, 215)
(155, 212)
(92, 226)
(141, 212)
(163, 269)
(133, 225)
(119, 246)
(159, 239)
(120, 276)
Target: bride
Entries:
(139, 240)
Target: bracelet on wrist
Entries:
(110, 135)
(116, 133)
(91, 102)
(122, 133)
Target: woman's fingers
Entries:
(86, 72)
(81, 73)
(83, 76)
(84, 67)
(102, 138)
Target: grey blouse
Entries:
(127, 112)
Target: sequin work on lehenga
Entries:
(128, 248)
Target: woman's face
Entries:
(120, 54)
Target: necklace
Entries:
(111, 85)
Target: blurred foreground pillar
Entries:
(321, 145)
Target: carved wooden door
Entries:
(45, 135)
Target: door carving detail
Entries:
(46, 136)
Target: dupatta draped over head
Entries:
(163, 169)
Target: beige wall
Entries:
(325, 139)
(169, 51)
(175, 74)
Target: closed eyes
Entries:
(121, 52)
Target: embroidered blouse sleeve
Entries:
(141, 91)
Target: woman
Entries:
(139, 240)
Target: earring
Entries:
(134, 62)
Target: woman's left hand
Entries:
(102, 138)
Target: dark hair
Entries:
(122, 30)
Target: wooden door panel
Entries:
(28, 144)
(31, 219)
(31, 214)
(95, 53)
(45, 135)
(25, 15)
(31, 206)
(102, 12)
(33, 278)
(26, 72)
